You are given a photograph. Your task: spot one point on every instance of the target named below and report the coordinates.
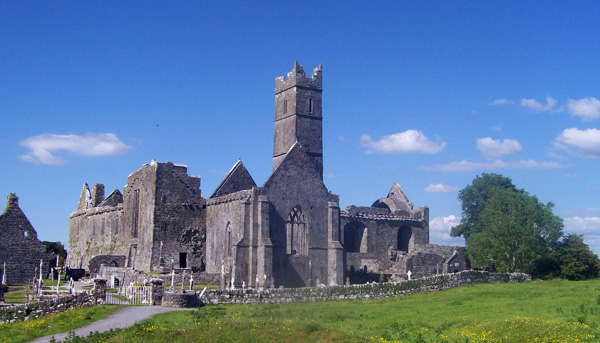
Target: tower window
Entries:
(285, 106)
(310, 105)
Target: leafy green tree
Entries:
(473, 199)
(56, 248)
(577, 260)
(513, 232)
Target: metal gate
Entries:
(134, 294)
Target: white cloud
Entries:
(44, 146)
(439, 230)
(539, 107)
(494, 148)
(440, 188)
(588, 226)
(464, 165)
(407, 141)
(585, 143)
(501, 101)
(586, 108)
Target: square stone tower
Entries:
(298, 115)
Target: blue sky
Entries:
(427, 94)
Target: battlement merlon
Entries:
(297, 77)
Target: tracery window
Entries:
(297, 233)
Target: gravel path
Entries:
(125, 317)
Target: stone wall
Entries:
(45, 307)
(20, 248)
(107, 260)
(362, 291)
(159, 218)
(41, 308)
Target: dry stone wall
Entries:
(359, 291)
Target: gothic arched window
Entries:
(297, 233)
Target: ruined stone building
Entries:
(20, 248)
(288, 232)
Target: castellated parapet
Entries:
(297, 77)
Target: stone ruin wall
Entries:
(224, 218)
(20, 248)
(179, 219)
(160, 203)
(95, 231)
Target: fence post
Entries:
(99, 290)
(156, 291)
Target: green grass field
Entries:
(540, 311)
(26, 331)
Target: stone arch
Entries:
(403, 238)
(296, 233)
(355, 237)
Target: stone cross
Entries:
(192, 282)
(161, 260)
(233, 277)
(408, 274)
(57, 285)
(40, 282)
(172, 288)
(4, 274)
(223, 285)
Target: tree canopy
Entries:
(57, 248)
(473, 198)
(514, 233)
(577, 261)
(508, 230)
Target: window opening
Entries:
(297, 233)
(404, 235)
(355, 237)
(136, 213)
(183, 260)
(228, 240)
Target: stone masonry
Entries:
(288, 232)
(20, 248)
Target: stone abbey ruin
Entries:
(288, 232)
(20, 249)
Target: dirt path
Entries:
(125, 317)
